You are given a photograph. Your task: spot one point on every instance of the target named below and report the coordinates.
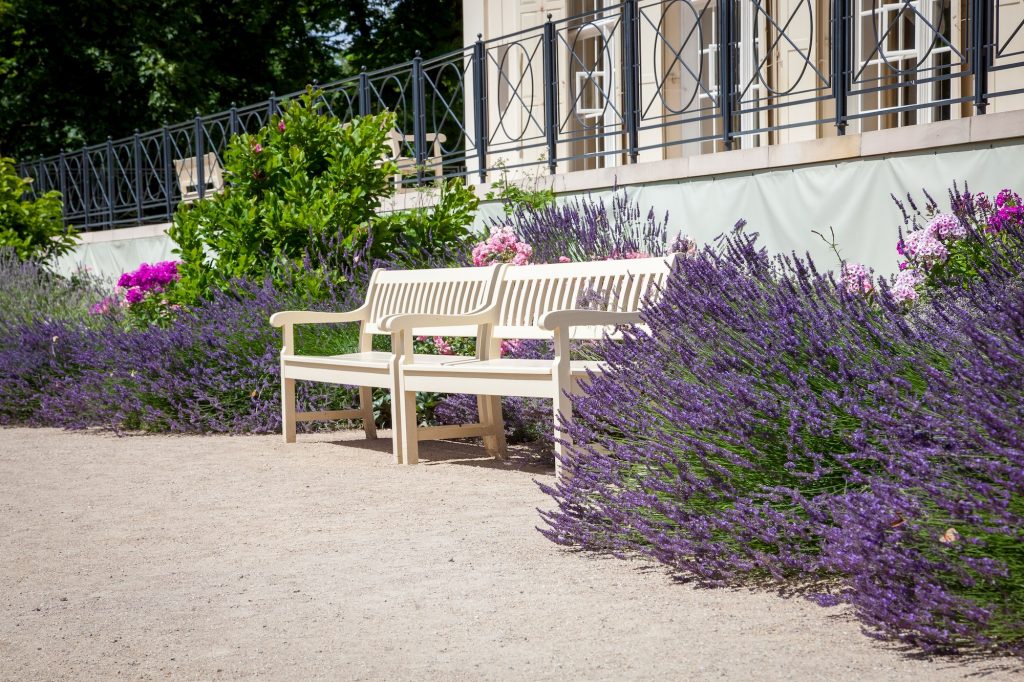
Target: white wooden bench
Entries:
(562, 302)
(448, 293)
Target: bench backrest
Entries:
(443, 291)
(529, 291)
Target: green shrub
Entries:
(308, 187)
(33, 229)
(303, 177)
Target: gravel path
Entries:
(233, 557)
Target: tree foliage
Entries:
(73, 72)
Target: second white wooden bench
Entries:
(562, 302)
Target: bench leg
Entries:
(406, 428)
(366, 405)
(563, 407)
(489, 409)
(288, 409)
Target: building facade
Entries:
(646, 81)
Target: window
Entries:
(904, 57)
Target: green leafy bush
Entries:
(301, 178)
(308, 189)
(33, 229)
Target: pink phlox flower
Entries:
(502, 246)
(104, 306)
(923, 246)
(628, 255)
(904, 287)
(1009, 210)
(564, 259)
(257, 148)
(982, 201)
(684, 244)
(134, 295)
(856, 278)
(442, 346)
(904, 265)
(148, 278)
(1007, 197)
(508, 346)
(947, 226)
(280, 125)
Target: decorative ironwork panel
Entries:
(906, 62)
(514, 79)
(444, 85)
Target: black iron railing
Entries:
(605, 88)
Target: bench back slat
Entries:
(448, 291)
(529, 291)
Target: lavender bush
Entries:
(584, 229)
(211, 368)
(778, 424)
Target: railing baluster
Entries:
(551, 94)
(631, 76)
(364, 93)
(110, 182)
(168, 172)
(200, 162)
(137, 163)
(981, 38)
(62, 178)
(419, 116)
(480, 105)
(840, 61)
(86, 186)
(725, 70)
(233, 120)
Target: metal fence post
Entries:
(271, 107)
(364, 93)
(39, 186)
(840, 61)
(551, 94)
(480, 105)
(110, 182)
(419, 116)
(62, 178)
(233, 120)
(981, 37)
(137, 163)
(725, 70)
(631, 76)
(168, 194)
(200, 163)
(86, 187)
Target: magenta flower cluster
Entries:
(1008, 210)
(148, 278)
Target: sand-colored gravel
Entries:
(234, 557)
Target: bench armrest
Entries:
(397, 323)
(312, 317)
(289, 318)
(556, 319)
